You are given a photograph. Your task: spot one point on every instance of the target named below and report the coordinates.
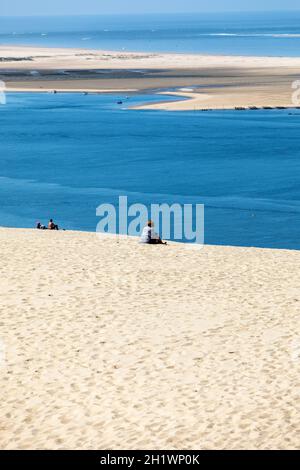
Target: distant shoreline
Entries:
(160, 105)
(212, 82)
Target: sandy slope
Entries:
(118, 345)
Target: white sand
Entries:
(120, 345)
(218, 99)
(64, 58)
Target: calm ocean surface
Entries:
(272, 34)
(63, 155)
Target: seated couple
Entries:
(51, 226)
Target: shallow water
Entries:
(63, 155)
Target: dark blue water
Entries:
(271, 34)
(63, 155)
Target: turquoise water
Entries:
(63, 155)
(271, 34)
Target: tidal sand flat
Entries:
(106, 343)
(215, 81)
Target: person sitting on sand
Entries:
(150, 236)
(40, 226)
(52, 225)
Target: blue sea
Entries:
(63, 155)
(270, 34)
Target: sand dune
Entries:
(112, 344)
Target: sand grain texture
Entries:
(123, 346)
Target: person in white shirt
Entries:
(150, 236)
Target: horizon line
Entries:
(55, 15)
